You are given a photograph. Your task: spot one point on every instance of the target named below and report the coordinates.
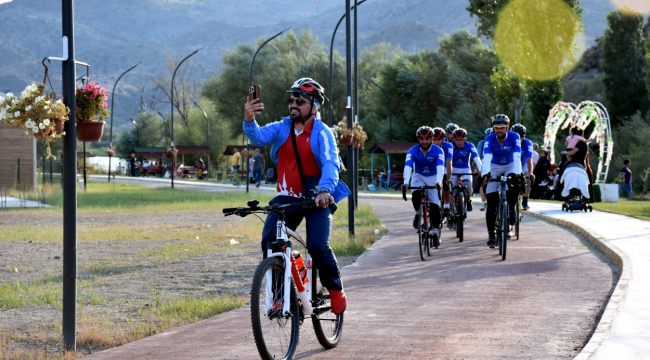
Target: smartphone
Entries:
(255, 92)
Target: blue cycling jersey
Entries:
(526, 151)
(461, 156)
(507, 155)
(448, 149)
(423, 163)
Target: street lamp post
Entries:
(166, 126)
(172, 104)
(390, 118)
(250, 83)
(349, 112)
(331, 63)
(207, 131)
(110, 139)
(137, 131)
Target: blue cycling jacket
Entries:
(427, 164)
(462, 156)
(508, 154)
(526, 151)
(322, 145)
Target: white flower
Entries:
(17, 114)
(28, 107)
(41, 126)
(49, 111)
(35, 129)
(29, 123)
(46, 122)
(39, 99)
(48, 102)
(10, 95)
(26, 132)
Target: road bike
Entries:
(425, 238)
(459, 205)
(502, 227)
(286, 289)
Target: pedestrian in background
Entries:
(626, 179)
(258, 167)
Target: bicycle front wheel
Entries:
(327, 326)
(460, 215)
(504, 229)
(276, 335)
(423, 243)
(518, 217)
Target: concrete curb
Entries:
(617, 299)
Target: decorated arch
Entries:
(564, 115)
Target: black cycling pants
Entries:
(434, 209)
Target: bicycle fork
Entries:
(291, 270)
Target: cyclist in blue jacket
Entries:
(501, 156)
(448, 150)
(314, 174)
(526, 162)
(463, 149)
(424, 167)
(479, 149)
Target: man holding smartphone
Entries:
(306, 155)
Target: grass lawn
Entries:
(635, 208)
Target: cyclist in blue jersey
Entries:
(440, 140)
(424, 167)
(449, 130)
(463, 149)
(526, 162)
(479, 149)
(501, 156)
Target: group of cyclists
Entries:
(306, 154)
(504, 152)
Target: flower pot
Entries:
(58, 126)
(357, 144)
(110, 153)
(90, 130)
(346, 140)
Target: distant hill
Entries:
(114, 35)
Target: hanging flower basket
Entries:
(58, 126)
(345, 136)
(346, 140)
(35, 112)
(110, 152)
(172, 152)
(90, 130)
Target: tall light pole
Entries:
(110, 139)
(355, 152)
(172, 104)
(69, 180)
(250, 82)
(137, 131)
(207, 138)
(331, 63)
(349, 114)
(390, 117)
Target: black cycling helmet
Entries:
(519, 129)
(489, 131)
(451, 127)
(459, 134)
(438, 134)
(500, 119)
(424, 132)
(309, 88)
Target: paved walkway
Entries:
(14, 202)
(624, 329)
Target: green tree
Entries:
(509, 93)
(148, 130)
(624, 64)
(542, 96)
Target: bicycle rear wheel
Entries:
(460, 215)
(504, 229)
(423, 241)
(327, 326)
(276, 335)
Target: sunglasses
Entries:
(299, 102)
(500, 127)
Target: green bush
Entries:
(597, 196)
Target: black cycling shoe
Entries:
(492, 243)
(446, 212)
(469, 205)
(416, 221)
(436, 240)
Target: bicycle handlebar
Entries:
(253, 208)
(426, 187)
(460, 174)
